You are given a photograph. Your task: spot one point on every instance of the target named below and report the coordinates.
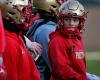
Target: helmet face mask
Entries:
(17, 12)
(9, 8)
(72, 9)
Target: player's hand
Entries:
(36, 50)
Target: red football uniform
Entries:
(17, 59)
(67, 57)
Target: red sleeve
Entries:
(10, 59)
(2, 39)
(35, 75)
(60, 61)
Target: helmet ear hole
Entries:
(54, 6)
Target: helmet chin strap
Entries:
(70, 26)
(72, 33)
(72, 30)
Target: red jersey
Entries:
(67, 57)
(2, 39)
(17, 59)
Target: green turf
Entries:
(93, 66)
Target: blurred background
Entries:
(92, 35)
